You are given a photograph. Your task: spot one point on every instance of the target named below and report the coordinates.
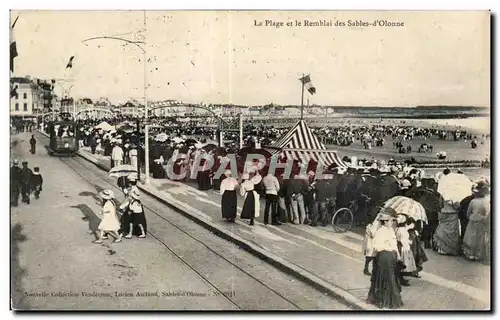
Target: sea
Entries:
(435, 112)
(472, 118)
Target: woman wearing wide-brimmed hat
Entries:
(385, 289)
(229, 201)
(109, 223)
(476, 237)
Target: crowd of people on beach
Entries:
(366, 136)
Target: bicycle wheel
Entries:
(342, 220)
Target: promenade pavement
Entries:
(447, 282)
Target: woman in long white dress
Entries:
(109, 223)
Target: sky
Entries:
(436, 58)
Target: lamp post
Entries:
(139, 42)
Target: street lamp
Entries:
(140, 42)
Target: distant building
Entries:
(86, 108)
(34, 97)
(251, 111)
(132, 108)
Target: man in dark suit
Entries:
(389, 185)
(25, 180)
(15, 183)
(33, 144)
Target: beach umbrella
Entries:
(191, 141)
(104, 126)
(209, 147)
(162, 137)
(127, 128)
(407, 206)
(454, 187)
(122, 170)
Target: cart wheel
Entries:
(342, 220)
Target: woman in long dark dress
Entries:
(229, 201)
(204, 176)
(251, 206)
(135, 216)
(385, 289)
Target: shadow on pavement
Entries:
(90, 217)
(17, 272)
(94, 195)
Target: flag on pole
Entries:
(13, 91)
(13, 46)
(70, 62)
(306, 81)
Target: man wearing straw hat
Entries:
(117, 154)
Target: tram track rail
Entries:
(79, 165)
(68, 162)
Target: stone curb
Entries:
(278, 262)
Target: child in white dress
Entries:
(109, 223)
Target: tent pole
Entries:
(302, 99)
(241, 131)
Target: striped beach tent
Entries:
(300, 143)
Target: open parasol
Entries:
(454, 187)
(127, 128)
(162, 137)
(122, 170)
(407, 206)
(104, 126)
(209, 147)
(191, 141)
